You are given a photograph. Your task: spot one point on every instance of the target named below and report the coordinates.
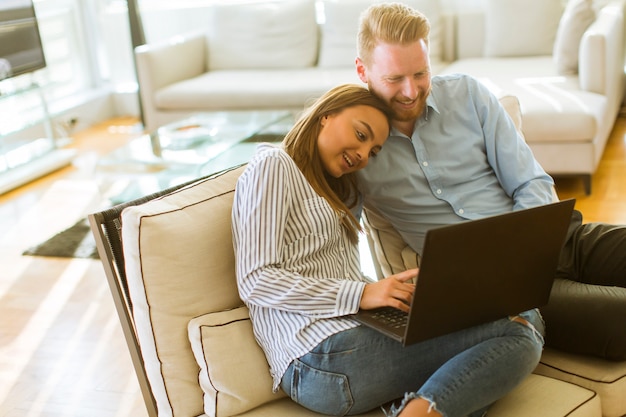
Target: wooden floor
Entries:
(62, 352)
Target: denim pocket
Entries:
(320, 391)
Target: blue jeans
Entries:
(358, 370)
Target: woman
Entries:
(296, 244)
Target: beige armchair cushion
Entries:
(607, 378)
(180, 264)
(542, 396)
(234, 374)
(390, 254)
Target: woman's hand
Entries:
(393, 291)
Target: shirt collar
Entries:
(431, 103)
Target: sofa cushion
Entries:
(339, 30)
(578, 15)
(270, 34)
(554, 108)
(240, 89)
(520, 27)
(341, 25)
(542, 396)
(607, 378)
(534, 396)
(180, 264)
(234, 374)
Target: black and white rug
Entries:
(76, 241)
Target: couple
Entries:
(444, 148)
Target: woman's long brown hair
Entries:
(301, 144)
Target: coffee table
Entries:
(190, 148)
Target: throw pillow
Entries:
(521, 27)
(578, 16)
(339, 31)
(269, 34)
(341, 25)
(234, 374)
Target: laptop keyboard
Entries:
(392, 317)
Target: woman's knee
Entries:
(533, 320)
(534, 327)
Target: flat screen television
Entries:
(20, 43)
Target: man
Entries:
(454, 154)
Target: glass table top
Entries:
(191, 148)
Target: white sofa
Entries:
(570, 92)
(282, 54)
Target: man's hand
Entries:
(393, 291)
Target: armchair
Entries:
(173, 280)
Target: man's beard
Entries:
(402, 114)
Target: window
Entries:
(71, 49)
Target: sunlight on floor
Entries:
(16, 355)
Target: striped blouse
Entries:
(297, 271)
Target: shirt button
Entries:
(425, 163)
(461, 211)
(439, 191)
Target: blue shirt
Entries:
(465, 160)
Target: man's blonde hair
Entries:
(393, 23)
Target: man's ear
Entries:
(360, 70)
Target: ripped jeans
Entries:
(460, 374)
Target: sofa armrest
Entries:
(601, 53)
(163, 63)
(174, 60)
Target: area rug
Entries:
(76, 241)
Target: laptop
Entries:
(478, 271)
